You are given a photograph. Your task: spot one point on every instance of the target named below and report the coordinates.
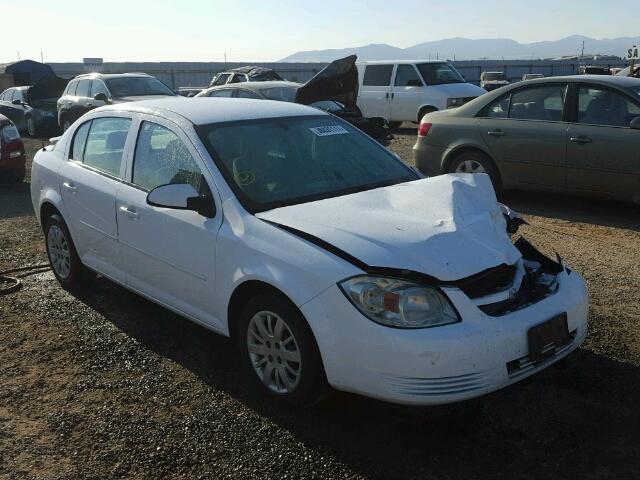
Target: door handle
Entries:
(70, 187)
(496, 133)
(581, 140)
(386, 95)
(130, 212)
(392, 95)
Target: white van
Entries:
(406, 90)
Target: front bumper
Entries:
(442, 364)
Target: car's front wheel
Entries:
(32, 128)
(280, 351)
(63, 257)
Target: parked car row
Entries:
(12, 155)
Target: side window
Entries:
(241, 93)
(97, 86)
(71, 88)
(12, 95)
(237, 78)
(10, 133)
(79, 141)
(225, 92)
(83, 88)
(538, 103)
(222, 79)
(406, 76)
(377, 75)
(161, 158)
(600, 106)
(499, 108)
(105, 144)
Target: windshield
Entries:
(493, 76)
(136, 86)
(283, 161)
(283, 94)
(439, 73)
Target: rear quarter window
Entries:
(377, 75)
(10, 133)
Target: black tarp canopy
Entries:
(26, 72)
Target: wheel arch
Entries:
(423, 108)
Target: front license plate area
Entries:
(546, 337)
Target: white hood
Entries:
(448, 227)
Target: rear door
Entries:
(169, 254)
(375, 92)
(82, 102)
(526, 132)
(603, 153)
(406, 94)
(89, 182)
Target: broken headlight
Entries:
(399, 303)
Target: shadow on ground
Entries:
(580, 421)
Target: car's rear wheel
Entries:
(63, 257)
(475, 162)
(32, 128)
(280, 351)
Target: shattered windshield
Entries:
(276, 162)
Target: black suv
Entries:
(92, 90)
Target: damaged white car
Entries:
(328, 260)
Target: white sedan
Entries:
(328, 260)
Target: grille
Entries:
(438, 385)
(488, 281)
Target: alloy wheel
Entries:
(274, 352)
(31, 127)
(59, 253)
(470, 166)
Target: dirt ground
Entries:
(103, 384)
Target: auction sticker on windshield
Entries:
(329, 130)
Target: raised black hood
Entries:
(338, 81)
(46, 91)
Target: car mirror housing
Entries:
(102, 97)
(635, 123)
(181, 196)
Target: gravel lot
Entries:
(103, 384)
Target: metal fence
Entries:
(199, 74)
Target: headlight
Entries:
(455, 102)
(399, 303)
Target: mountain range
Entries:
(474, 49)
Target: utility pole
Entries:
(18, 55)
(41, 58)
(225, 59)
(582, 51)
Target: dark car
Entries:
(245, 74)
(12, 156)
(577, 134)
(334, 89)
(86, 92)
(33, 108)
(593, 70)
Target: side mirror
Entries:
(635, 123)
(16, 102)
(102, 97)
(414, 82)
(181, 196)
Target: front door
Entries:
(526, 132)
(89, 182)
(603, 153)
(407, 94)
(169, 254)
(375, 92)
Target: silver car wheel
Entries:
(58, 249)
(31, 127)
(274, 352)
(470, 166)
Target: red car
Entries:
(12, 156)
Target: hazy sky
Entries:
(267, 30)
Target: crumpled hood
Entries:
(338, 81)
(448, 227)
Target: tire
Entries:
(424, 110)
(32, 128)
(475, 162)
(394, 125)
(284, 380)
(63, 257)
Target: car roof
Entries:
(110, 75)
(257, 85)
(205, 110)
(399, 62)
(618, 81)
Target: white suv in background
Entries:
(405, 91)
